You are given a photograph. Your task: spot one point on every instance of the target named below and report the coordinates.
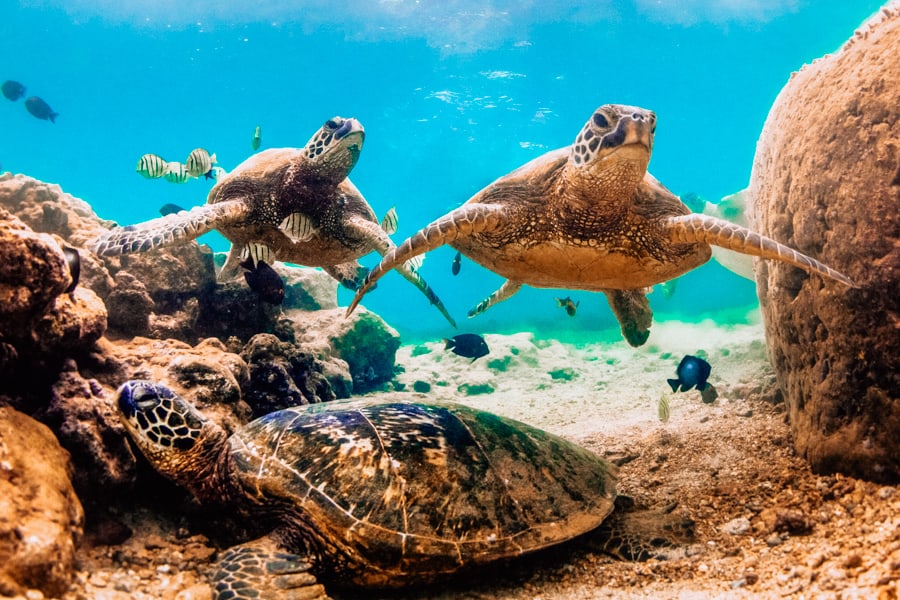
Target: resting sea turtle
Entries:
(588, 216)
(290, 204)
(377, 493)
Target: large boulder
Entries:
(363, 340)
(826, 180)
(41, 519)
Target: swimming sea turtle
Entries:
(589, 216)
(377, 493)
(290, 204)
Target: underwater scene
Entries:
(414, 299)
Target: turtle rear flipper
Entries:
(384, 246)
(170, 229)
(638, 534)
(632, 309)
(467, 219)
(259, 569)
(695, 228)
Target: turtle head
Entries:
(334, 149)
(613, 148)
(176, 438)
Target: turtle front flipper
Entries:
(465, 220)
(506, 290)
(632, 309)
(170, 229)
(407, 267)
(696, 228)
(259, 569)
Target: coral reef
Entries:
(826, 180)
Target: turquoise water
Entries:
(452, 94)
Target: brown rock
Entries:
(85, 421)
(33, 272)
(40, 516)
(282, 375)
(129, 306)
(363, 340)
(826, 180)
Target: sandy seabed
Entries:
(766, 527)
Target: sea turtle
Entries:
(588, 216)
(380, 493)
(290, 204)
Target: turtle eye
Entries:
(334, 123)
(600, 120)
(145, 399)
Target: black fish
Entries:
(470, 345)
(569, 305)
(454, 268)
(40, 109)
(13, 90)
(169, 209)
(263, 280)
(691, 371)
(73, 259)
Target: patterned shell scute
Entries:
(423, 487)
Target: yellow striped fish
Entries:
(151, 166)
(389, 222)
(176, 173)
(298, 227)
(218, 173)
(199, 162)
(663, 408)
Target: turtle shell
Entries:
(388, 493)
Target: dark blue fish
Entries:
(454, 267)
(40, 109)
(73, 259)
(469, 345)
(168, 209)
(570, 305)
(263, 280)
(13, 90)
(691, 372)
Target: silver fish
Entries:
(390, 222)
(151, 166)
(298, 227)
(176, 173)
(199, 162)
(258, 252)
(663, 409)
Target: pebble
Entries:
(739, 526)
(773, 540)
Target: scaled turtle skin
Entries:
(589, 217)
(369, 492)
(249, 207)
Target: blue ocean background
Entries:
(452, 94)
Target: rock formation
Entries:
(40, 517)
(826, 180)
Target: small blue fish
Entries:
(12, 90)
(457, 262)
(263, 280)
(168, 209)
(691, 372)
(469, 345)
(40, 109)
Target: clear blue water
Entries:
(452, 94)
